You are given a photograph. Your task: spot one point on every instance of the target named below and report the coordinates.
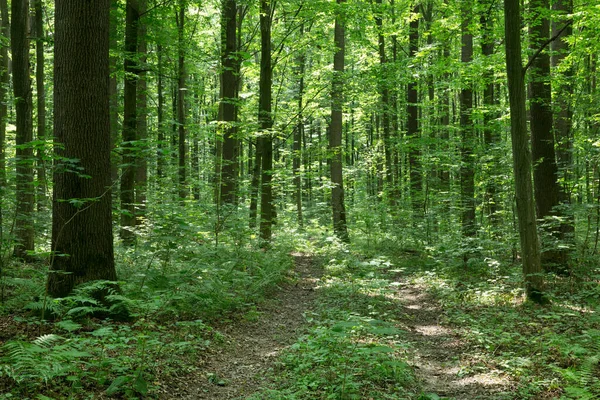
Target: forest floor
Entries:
(252, 344)
(244, 364)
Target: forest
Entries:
(299, 199)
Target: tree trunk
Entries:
(530, 247)
(490, 135)
(335, 131)
(266, 122)
(4, 81)
(160, 145)
(19, 35)
(384, 93)
(114, 95)
(82, 239)
(41, 104)
(467, 168)
(141, 168)
(128, 221)
(181, 102)
(228, 101)
(563, 117)
(298, 134)
(545, 172)
(412, 99)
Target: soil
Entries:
(239, 367)
(441, 359)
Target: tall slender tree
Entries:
(82, 238)
(41, 101)
(530, 247)
(141, 170)
(266, 121)
(181, 89)
(4, 79)
(412, 123)
(19, 36)
(128, 221)
(467, 168)
(335, 129)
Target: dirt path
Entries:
(238, 368)
(443, 362)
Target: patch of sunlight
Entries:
(432, 330)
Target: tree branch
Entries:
(552, 39)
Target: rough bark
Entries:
(19, 37)
(335, 129)
(227, 106)
(545, 171)
(82, 239)
(530, 248)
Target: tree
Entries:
(128, 221)
(41, 101)
(19, 36)
(181, 89)
(82, 239)
(227, 107)
(545, 172)
(530, 247)
(335, 129)
(4, 79)
(412, 123)
(266, 121)
(467, 168)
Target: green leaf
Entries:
(117, 384)
(140, 385)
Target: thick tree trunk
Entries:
(530, 247)
(128, 220)
(41, 104)
(19, 36)
(228, 184)
(335, 130)
(82, 239)
(467, 168)
(545, 171)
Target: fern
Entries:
(44, 359)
